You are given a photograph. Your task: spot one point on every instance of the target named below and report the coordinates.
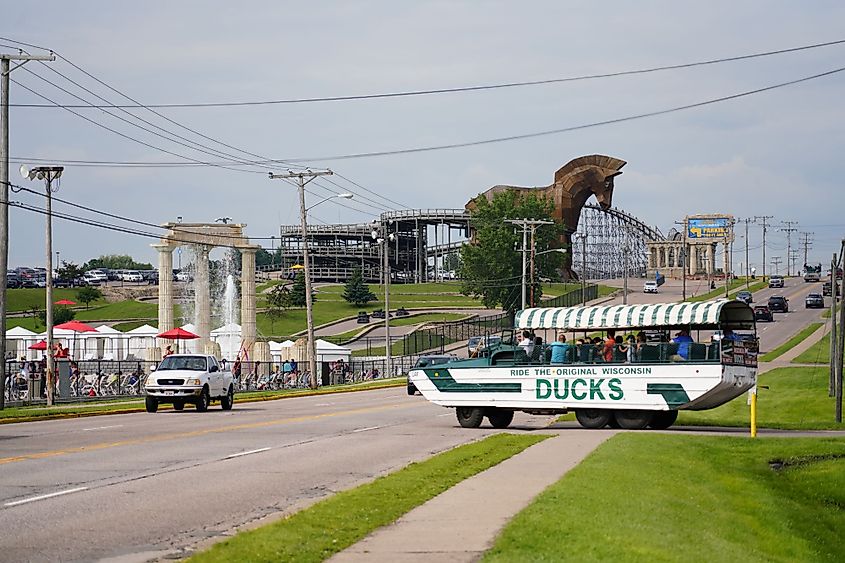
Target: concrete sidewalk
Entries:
(461, 523)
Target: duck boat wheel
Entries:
(631, 385)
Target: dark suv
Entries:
(763, 313)
(778, 304)
(425, 361)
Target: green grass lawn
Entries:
(796, 399)
(800, 336)
(735, 286)
(119, 311)
(35, 325)
(403, 321)
(333, 524)
(818, 353)
(21, 300)
(654, 497)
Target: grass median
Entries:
(818, 353)
(793, 398)
(124, 405)
(799, 337)
(332, 525)
(656, 497)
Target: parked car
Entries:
(98, 275)
(763, 313)
(477, 344)
(814, 301)
(776, 282)
(131, 276)
(650, 286)
(92, 278)
(363, 318)
(778, 304)
(183, 276)
(12, 280)
(432, 360)
(64, 282)
(189, 378)
(745, 296)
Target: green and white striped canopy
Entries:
(704, 314)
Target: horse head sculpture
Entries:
(574, 183)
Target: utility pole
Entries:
(806, 243)
(764, 221)
(685, 223)
(788, 229)
(776, 263)
(526, 223)
(302, 179)
(793, 258)
(840, 338)
(625, 252)
(831, 384)
(5, 70)
(584, 269)
(747, 265)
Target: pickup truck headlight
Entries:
(194, 381)
(150, 381)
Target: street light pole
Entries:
(49, 174)
(302, 179)
(383, 237)
(5, 70)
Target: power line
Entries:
(459, 89)
(568, 129)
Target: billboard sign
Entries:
(714, 227)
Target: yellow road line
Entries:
(194, 433)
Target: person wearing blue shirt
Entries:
(683, 340)
(560, 350)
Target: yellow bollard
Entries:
(753, 401)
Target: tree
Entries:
(69, 271)
(452, 262)
(278, 300)
(491, 266)
(356, 291)
(116, 262)
(297, 292)
(61, 315)
(88, 294)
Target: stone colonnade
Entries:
(204, 237)
(667, 257)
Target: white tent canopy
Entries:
(704, 314)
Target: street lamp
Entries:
(383, 238)
(303, 178)
(49, 174)
(179, 248)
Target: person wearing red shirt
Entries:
(609, 344)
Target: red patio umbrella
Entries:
(39, 345)
(76, 326)
(178, 333)
(64, 302)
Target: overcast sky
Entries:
(776, 153)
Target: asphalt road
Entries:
(153, 485)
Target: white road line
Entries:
(365, 429)
(102, 427)
(42, 497)
(247, 453)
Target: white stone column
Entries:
(248, 330)
(693, 263)
(202, 299)
(165, 288)
(711, 259)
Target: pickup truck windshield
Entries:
(191, 363)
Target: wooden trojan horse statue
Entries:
(574, 183)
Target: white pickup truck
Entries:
(189, 378)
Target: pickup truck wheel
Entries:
(633, 419)
(499, 418)
(203, 401)
(151, 403)
(228, 400)
(663, 420)
(593, 418)
(469, 417)
(178, 405)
